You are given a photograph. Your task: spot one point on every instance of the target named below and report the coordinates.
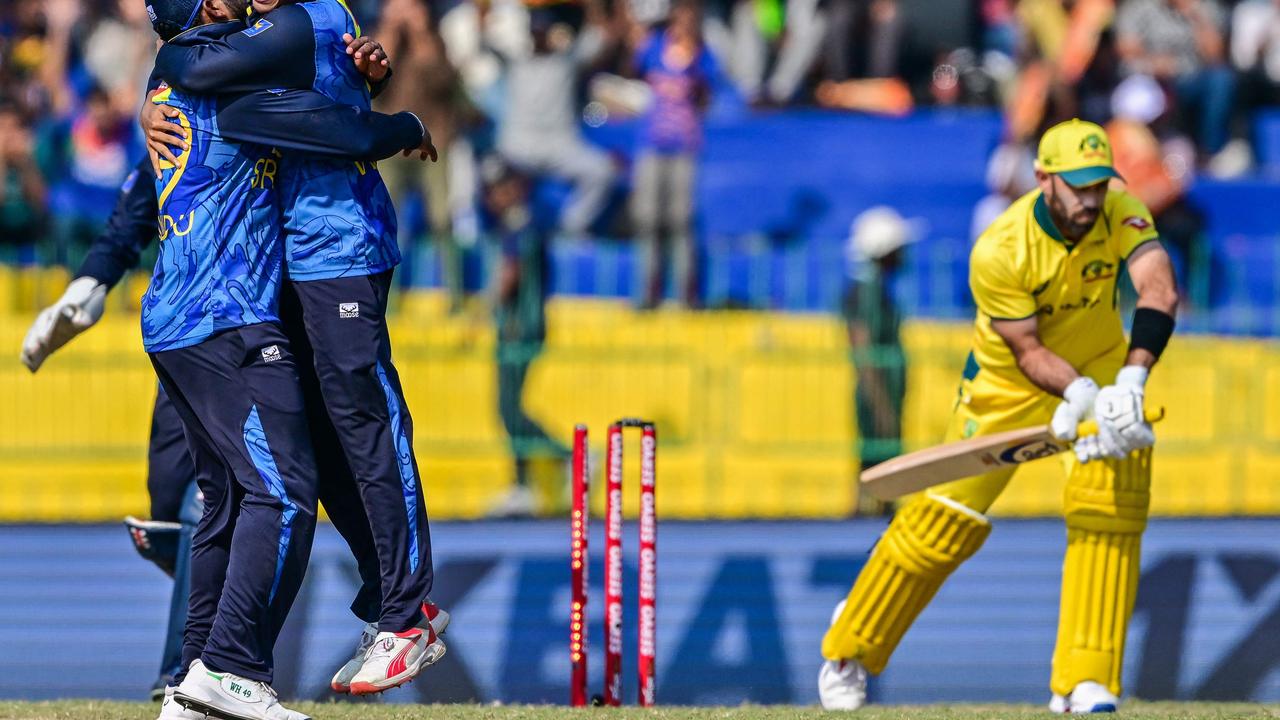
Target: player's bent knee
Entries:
(926, 541)
(937, 534)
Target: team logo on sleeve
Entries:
(1136, 222)
(258, 28)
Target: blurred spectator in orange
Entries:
(865, 39)
(865, 58)
(22, 190)
(679, 71)
(1183, 43)
(429, 86)
(1061, 39)
(1157, 165)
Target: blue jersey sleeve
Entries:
(276, 51)
(131, 227)
(306, 121)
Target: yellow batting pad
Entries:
(1106, 512)
(926, 541)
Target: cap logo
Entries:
(1093, 147)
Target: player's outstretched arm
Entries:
(116, 250)
(308, 122)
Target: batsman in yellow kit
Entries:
(1048, 347)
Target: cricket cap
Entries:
(172, 17)
(1077, 151)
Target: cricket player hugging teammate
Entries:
(1048, 333)
(239, 321)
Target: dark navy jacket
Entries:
(338, 216)
(297, 120)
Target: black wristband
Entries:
(1151, 330)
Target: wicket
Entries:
(648, 570)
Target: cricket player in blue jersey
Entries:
(340, 246)
(211, 327)
(164, 539)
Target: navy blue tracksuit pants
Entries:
(241, 405)
(363, 436)
(171, 484)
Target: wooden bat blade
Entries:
(925, 468)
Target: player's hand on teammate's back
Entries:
(163, 137)
(426, 149)
(1075, 408)
(370, 57)
(76, 311)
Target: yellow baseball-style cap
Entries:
(1077, 151)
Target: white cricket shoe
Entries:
(396, 658)
(1087, 697)
(170, 710)
(341, 682)
(228, 696)
(842, 685)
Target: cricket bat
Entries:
(925, 468)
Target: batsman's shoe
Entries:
(842, 685)
(1092, 697)
(171, 710)
(341, 682)
(397, 658)
(228, 696)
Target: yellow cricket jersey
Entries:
(1023, 267)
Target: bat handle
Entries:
(1090, 427)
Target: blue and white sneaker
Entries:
(1087, 697)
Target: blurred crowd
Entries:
(1175, 80)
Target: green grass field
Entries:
(77, 710)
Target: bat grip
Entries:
(1090, 427)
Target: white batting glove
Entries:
(76, 311)
(1097, 447)
(1075, 408)
(1119, 412)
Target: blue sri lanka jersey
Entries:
(220, 243)
(339, 220)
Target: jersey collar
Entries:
(1041, 213)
